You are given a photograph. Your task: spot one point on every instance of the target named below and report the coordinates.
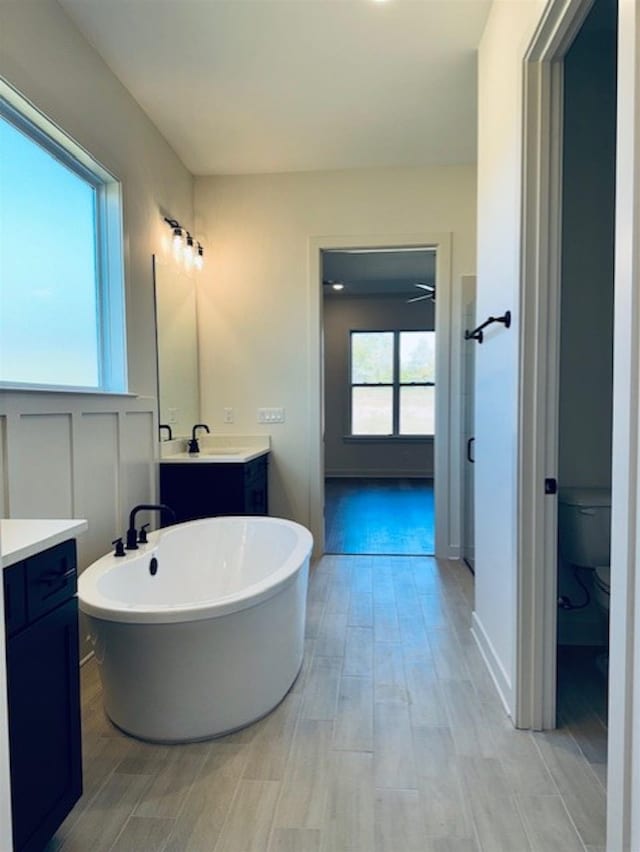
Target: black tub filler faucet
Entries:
(132, 533)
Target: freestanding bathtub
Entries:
(200, 631)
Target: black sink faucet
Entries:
(193, 443)
(166, 426)
(132, 533)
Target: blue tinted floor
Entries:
(379, 516)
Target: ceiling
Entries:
(246, 86)
(381, 272)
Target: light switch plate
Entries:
(271, 415)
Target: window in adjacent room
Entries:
(392, 383)
(61, 282)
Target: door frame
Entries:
(538, 403)
(539, 356)
(447, 452)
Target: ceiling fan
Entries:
(430, 293)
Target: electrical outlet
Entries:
(173, 415)
(271, 415)
(228, 415)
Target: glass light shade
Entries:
(176, 243)
(189, 251)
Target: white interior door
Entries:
(468, 421)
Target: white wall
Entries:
(46, 59)
(367, 458)
(89, 456)
(509, 29)
(508, 32)
(623, 776)
(255, 306)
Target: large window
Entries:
(392, 383)
(61, 299)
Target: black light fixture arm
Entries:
(477, 334)
(180, 233)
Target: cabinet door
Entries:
(255, 476)
(44, 725)
(15, 598)
(202, 490)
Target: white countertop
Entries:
(216, 449)
(20, 538)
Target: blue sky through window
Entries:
(48, 288)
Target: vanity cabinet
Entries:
(43, 692)
(205, 489)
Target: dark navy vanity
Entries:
(43, 689)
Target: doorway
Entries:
(535, 705)
(567, 322)
(447, 452)
(379, 309)
(585, 382)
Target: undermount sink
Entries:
(215, 449)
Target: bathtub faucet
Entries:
(132, 533)
(193, 443)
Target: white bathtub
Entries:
(213, 640)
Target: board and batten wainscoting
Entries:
(68, 455)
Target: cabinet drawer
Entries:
(15, 598)
(51, 578)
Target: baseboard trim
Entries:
(493, 664)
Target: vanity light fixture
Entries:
(188, 251)
(184, 246)
(176, 239)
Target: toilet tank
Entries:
(584, 526)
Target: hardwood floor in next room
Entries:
(392, 739)
(379, 516)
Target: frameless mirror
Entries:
(177, 341)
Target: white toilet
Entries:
(584, 535)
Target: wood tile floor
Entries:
(391, 740)
(582, 703)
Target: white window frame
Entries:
(396, 385)
(109, 282)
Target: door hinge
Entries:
(550, 486)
